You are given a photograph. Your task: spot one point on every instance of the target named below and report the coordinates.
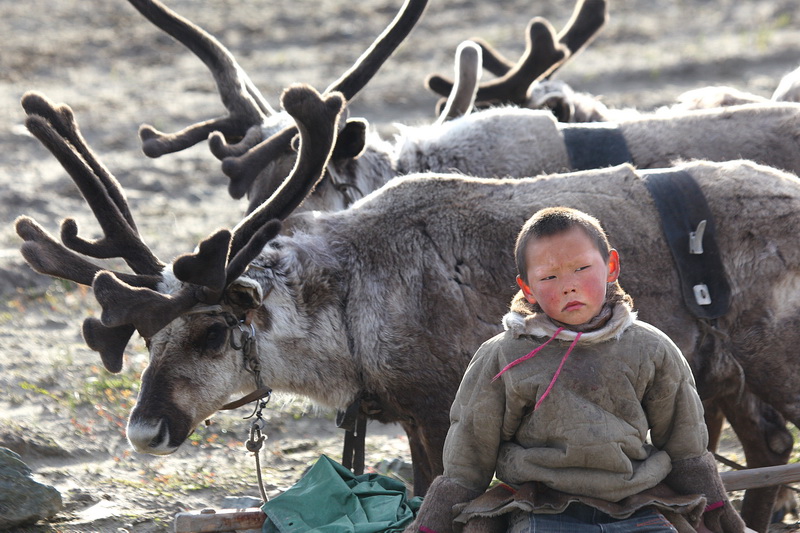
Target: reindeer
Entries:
(386, 301)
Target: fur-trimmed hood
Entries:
(617, 314)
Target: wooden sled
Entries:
(251, 519)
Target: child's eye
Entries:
(547, 278)
(583, 268)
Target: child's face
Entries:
(567, 276)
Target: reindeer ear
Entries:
(556, 96)
(351, 140)
(244, 294)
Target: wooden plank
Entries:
(252, 518)
(220, 520)
(754, 478)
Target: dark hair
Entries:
(552, 221)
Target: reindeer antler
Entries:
(130, 301)
(244, 169)
(246, 108)
(317, 120)
(56, 128)
(244, 103)
(545, 52)
(223, 257)
(467, 76)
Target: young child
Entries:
(589, 417)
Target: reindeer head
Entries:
(194, 313)
(252, 140)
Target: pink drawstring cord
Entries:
(555, 376)
(526, 357)
(534, 352)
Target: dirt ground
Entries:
(58, 407)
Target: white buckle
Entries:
(701, 294)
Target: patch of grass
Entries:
(795, 456)
(112, 396)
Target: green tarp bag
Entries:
(331, 499)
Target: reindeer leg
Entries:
(426, 454)
(714, 420)
(766, 442)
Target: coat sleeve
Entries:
(481, 417)
(673, 406)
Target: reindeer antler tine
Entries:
(244, 169)
(251, 250)
(542, 54)
(467, 76)
(242, 100)
(110, 342)
(492, 60)
(222, 149)
(317, 119)
(147, 310)
(46, 256)
(206, 267)
(588, 17)
(357, 76)
(121, 240)
(156, 143)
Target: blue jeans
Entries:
(580, 518)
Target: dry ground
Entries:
(56, 403)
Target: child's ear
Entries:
(613, 266)
(526, 290)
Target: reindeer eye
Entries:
(215, 337)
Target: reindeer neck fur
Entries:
(302, 340)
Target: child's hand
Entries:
(701, 528)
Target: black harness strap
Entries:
(354, 422)
(595, 145)
(689, 229)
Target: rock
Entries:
(23, 500)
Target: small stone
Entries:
(23, 500)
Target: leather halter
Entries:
(247, 344)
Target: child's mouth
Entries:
(573, 306)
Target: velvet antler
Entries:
(223, 257)
(246, 108)
(130, 301)
(545, 52)
(467, 76)
(245, 168)
(56, 128)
